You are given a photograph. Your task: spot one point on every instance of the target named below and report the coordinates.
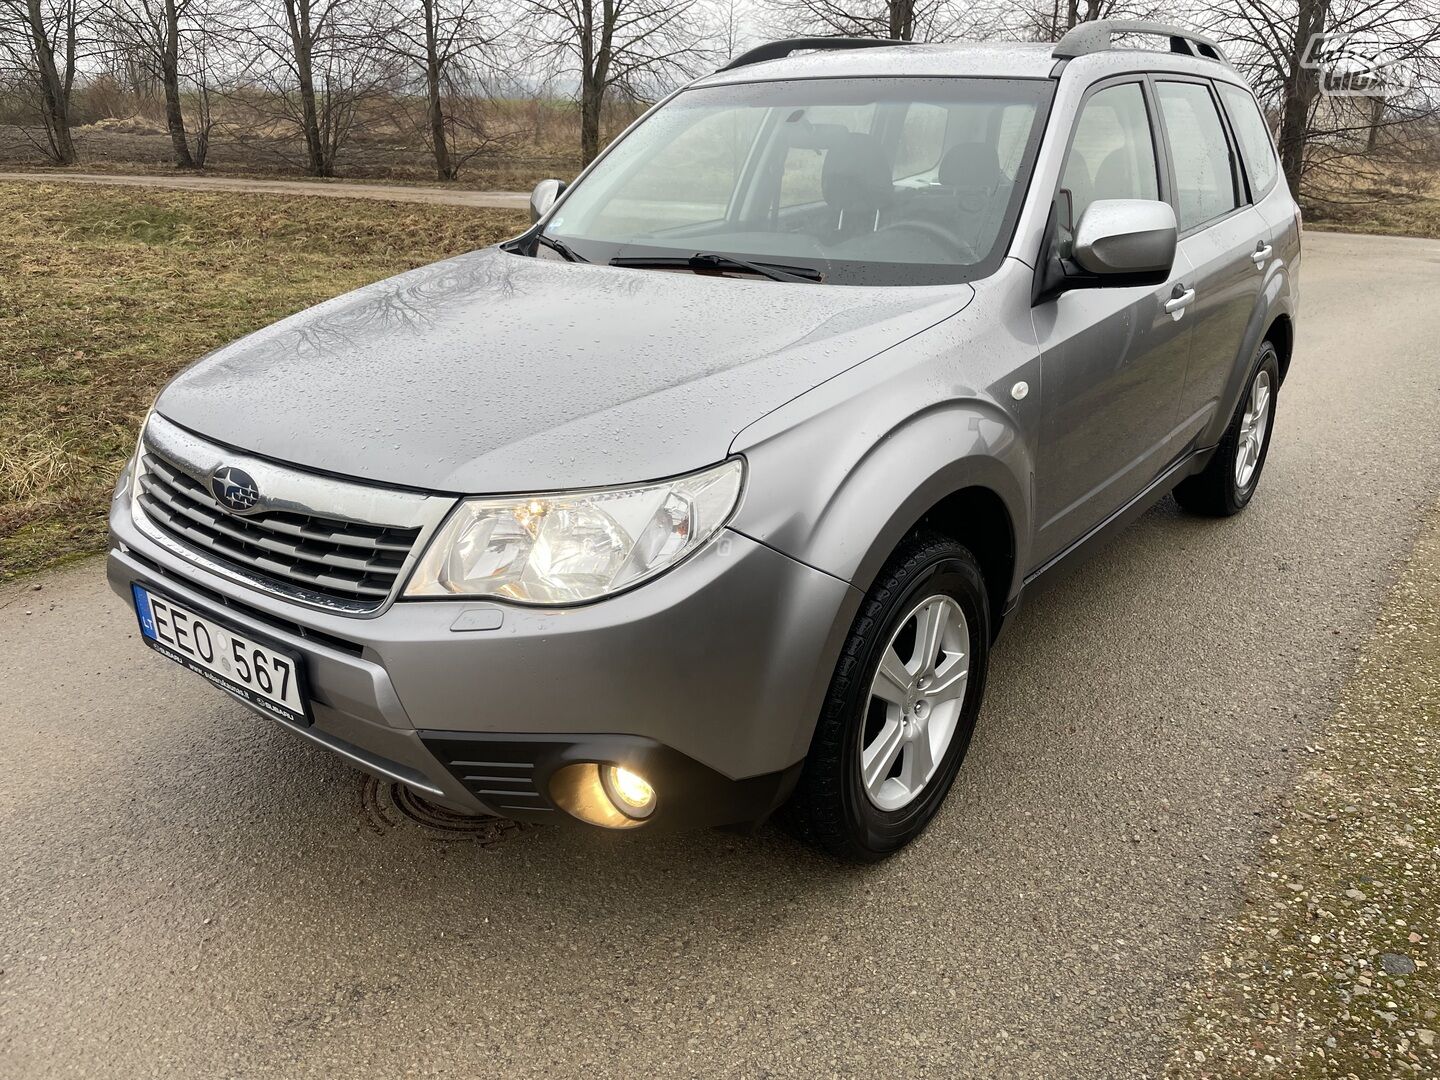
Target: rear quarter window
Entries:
(1253, 134)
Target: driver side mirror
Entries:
(1127, 236)
(1118, 242)
(543, 198)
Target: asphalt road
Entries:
(190, 891)
(335, 189)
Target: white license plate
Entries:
(271, 679)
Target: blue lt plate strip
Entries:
(142, 608)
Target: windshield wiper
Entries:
(713, 260)
(564, 250)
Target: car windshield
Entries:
(904, 181)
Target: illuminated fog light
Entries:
(628, 790)
(609, 796)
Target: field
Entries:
(1405, 203)
(145, 149)
(526, 140)
(107, 293)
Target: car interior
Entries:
(887, 182)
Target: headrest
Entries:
(856, 176)
(970, 166)
(1112, 179)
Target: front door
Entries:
(1113, 360)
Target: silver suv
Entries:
(705, 498)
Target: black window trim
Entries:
(1255, 196)
(1239, 184)
(1157, 140)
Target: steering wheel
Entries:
(952, 243)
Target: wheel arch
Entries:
(977, 517)
(962, 467)
(1281, 334)
(1271, 315)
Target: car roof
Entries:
(953, 59)
(962, 59)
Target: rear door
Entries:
(1113, 360)
(1221, 235)
(1262, 173)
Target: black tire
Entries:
(829, 808)
(1214, 491)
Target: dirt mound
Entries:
(124, 125)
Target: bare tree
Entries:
(446, 43)
(729, 28)
(1047, 20)
(156, 37)
(626, 47)
(39, 40)
(902, 20)
(308, 64)
(1281, 47)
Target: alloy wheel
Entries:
(915, 702)
(1253, 426)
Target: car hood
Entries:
(494, 372)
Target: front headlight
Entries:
(571, 547)
(130, 476)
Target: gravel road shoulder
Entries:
(1331, 969)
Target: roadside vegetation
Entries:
(106, 293)
(1396, 202)
(1332, 967)
(499, 93)
(543, 145)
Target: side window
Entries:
(690, 179)
(1015, 121)
(1205, 185)
(800, 180)
(1253, 135)
(922, 139)
(1112, 156)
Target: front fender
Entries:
(853, 513)
(839, 475)
(842, 504)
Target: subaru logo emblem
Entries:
(234, 488)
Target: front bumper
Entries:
(708, 679)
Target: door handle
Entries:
(1262, 253)
(1179, 300)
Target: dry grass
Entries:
(106, 292)
(531, 139)
(105, 148)
(1405, 203)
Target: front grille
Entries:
(341, 560)
(220, 600)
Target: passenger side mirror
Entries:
(1118, 243)
(1126, 236)
(543, 198)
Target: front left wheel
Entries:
(901, 706)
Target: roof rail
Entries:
(1092, 37)
(775, 50)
